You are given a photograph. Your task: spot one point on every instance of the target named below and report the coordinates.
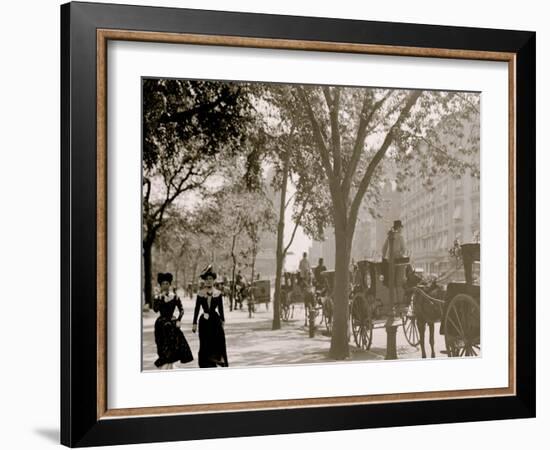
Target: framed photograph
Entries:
(278, 224)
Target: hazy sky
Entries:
(301, 242)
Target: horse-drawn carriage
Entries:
(418, 304)
(260, 292)
(317, 304)
(371, 305)
(460, 313)
(324, 294)
(248, 294)
(294, 291)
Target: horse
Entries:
(286, 301)
(428, 310)
(301, 292)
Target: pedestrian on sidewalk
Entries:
(212, 349)
(171, 343)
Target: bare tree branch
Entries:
(333, 104)
(297, 224)
(363, 185)
(323, 150)
(443, 152)
(290, 199)
(179, 188)
(360, 138)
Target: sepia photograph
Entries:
(275, 221)
(289, 224)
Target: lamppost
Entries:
(391, 324)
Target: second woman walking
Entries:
(212, 350)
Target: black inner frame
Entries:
(79, 424)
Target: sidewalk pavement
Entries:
(252, 342)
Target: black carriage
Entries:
(371, 304)
(261, 292)
(286, 287)
(253, 294)
(458, 307)
(460, 322)
(294, 291)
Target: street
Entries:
(244, 215)
(252, 342)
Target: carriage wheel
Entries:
(361, 322)
(355, 313)
(462, 327)
(327, 314)
(366, 334)
(319, 316)
(410, 327)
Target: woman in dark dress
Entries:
(171, 343)
(212, 351)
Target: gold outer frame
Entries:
(104, 35)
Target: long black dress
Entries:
(171, 343)
(212, 350)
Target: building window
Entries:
(457, 214)
(475, 210)
(458, 186)
(443, 191)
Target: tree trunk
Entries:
(280, 254)
(251, 297)
(339, 348)
(253, 264)
(194, 275)
(277, 294)
(234, 265)
(194, 278)
(184, 276)
(147, 271)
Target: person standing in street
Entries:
(399, 253)
(305, 269)
(240, 286)
(317, 275)
(171, 343)
(212, 348)
(398, 242)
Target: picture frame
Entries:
(86, 28)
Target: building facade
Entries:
(449, 211)
(434, 219)
(370, 232)
(325, 249)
